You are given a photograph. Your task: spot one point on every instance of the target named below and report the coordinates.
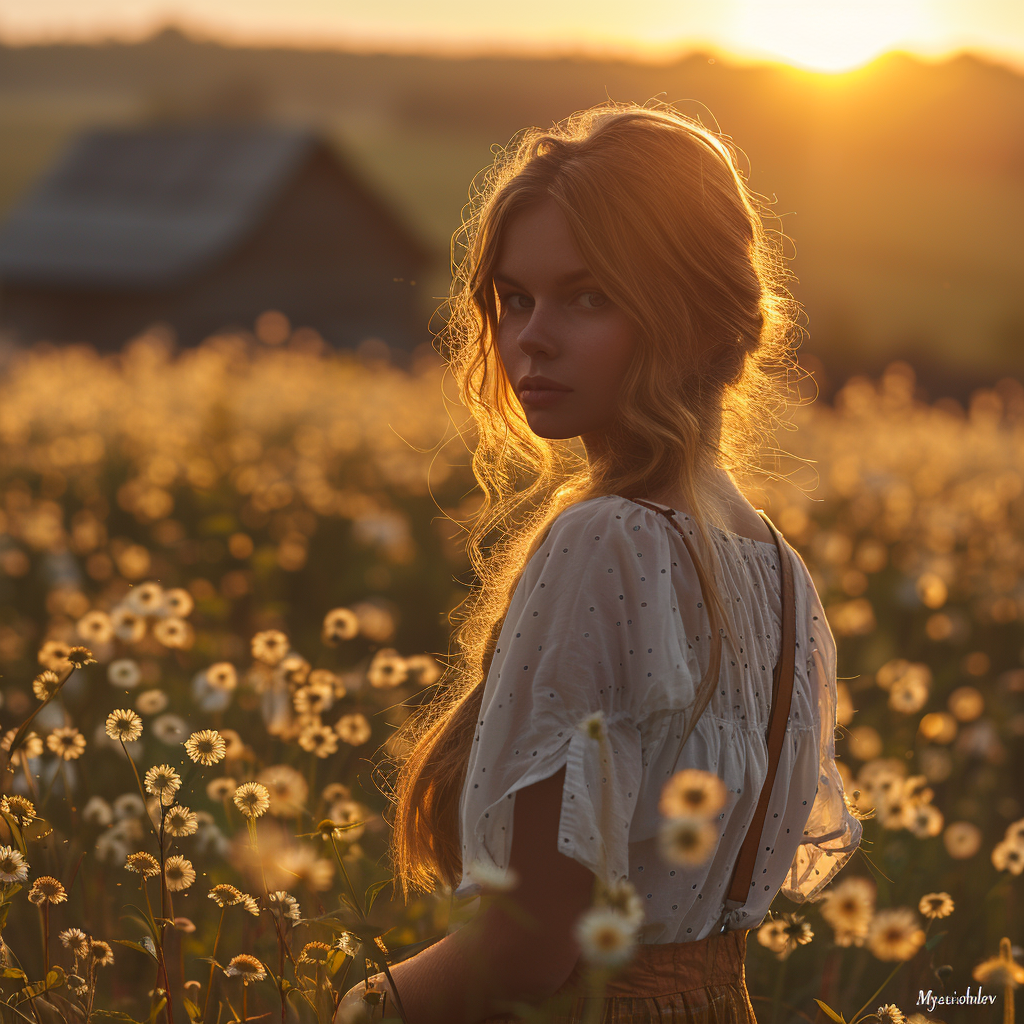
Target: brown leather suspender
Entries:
(782, 692)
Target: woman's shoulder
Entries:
(620, 517)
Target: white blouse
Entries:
(608, 616)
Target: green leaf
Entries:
(193, 1011)
(137, 946)
(828, 1011)
(15, 828)
(935, 940)
(373, 891)
(140, 917)
(13, 972)
(116, 1015)
(53, 980)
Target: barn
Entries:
(204, 227)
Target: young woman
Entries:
(621, 333)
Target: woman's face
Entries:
(555, 322)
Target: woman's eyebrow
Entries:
(568, 278)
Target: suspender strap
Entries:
(782, 692)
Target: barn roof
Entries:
(146, 207)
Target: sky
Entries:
(826, 35)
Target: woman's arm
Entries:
(520, 947)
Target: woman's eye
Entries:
(510, 300)
(595, 299)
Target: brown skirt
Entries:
(702, 982)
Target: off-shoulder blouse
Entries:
(608, 616)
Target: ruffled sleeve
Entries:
(587, 639)
(831, 832)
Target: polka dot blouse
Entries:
(608, 616)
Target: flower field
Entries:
(226, 576)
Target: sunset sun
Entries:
(829, 35)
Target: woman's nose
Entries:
(538, 333)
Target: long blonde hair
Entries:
(663, 219)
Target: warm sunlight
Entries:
(829, 35)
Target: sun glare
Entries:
(828, 35)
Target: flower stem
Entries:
(874, 995)
(213, 956)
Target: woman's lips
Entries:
(541, 397)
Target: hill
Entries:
(899, 185)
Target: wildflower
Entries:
(129, 805)
(320, 740)
(894, 934)
(129, 626)
(923, 819)
(151, 702)
(324, 677)
(622, 896)
(251, 799)
(606, 937)
(53, 655)
(20, 808)
(13, 866)
(146, 599)
(80, 657)
(124, 672)
(349, 816)
(75, 940)
(313, 699)
(221, 789)
(488, 875)
(225, 895)
(890, 1013)
(593, 726)
(180, 821)
(31, 746)
(686, 839)
(1000, 971)
(335, 791)
(206, 747)
(692, 792)
(301, 865)
(143, 863)
(178, 602)
(235, 748)
(101, 953)
(179, 873)
(173, 632)
(170, 729)
(936, 904)
(162, 781)
(353, 729)
(270, 646)
(423, 668)
(286, 789)
(339, 624)
(77, 984)
(222, 676)
(285, 905)
(1007, 856)
(124, 725)
(293, 669)
(68, 742)
(348, 944)
(250, 904)
(314, 953)
(772, 935)
(46, 889)
(387, 669)
(962, 839)
(95, 626)
(848, 906)
(248, 968)
(46, 684)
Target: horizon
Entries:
(823, 48)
